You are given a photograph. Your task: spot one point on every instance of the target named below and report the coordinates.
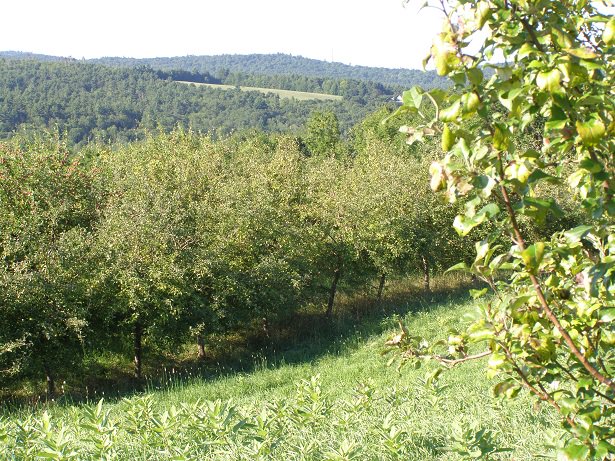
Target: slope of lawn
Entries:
(342, 404)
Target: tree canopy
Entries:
(549, 327)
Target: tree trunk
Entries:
(381, 286)
(265, 327)
(51, 384)
(138, 337)
(200, 342)
(426, 285)
(332, 291)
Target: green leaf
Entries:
(490, 210)
(562, 39)
(413, 97)
(538, 208)
(574, 452)
(532, 256)
(451, 113)
(581, 53)
(458, 267)
(475, 75)
(506, 389)
(463, 224)
(576, 234)
(558, 119)
(607, 315)
(469, 103)
(496, 360)
(591, 132)
(609, 32)
(481, 334)
(478, 293)
(539, 175)
(549, 81)
(590, 165)
(604, 449)
(50, 454)
(526, 50)
(448, 138)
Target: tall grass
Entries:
(329, 395)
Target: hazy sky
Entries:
(361, 32)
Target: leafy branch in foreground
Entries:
(543, 120)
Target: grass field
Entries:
(327, 398)
(286, 94)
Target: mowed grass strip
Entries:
(286, 94)
(346, 404)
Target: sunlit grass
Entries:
(285, 94)
(351, 411)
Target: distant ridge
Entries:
(264, 64)
(33, 56)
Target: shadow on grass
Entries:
(304, 336)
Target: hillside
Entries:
(97, 102)
(340, 403)
(268, 64)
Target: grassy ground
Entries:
(326, 395)
(286, 94)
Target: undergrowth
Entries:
(336, 400)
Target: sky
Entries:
(381, 33)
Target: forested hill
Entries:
(283, 64)
(272, 65)
(94, 101)
(32, 56)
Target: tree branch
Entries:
(452, 362)
(542, 394)
(545, 306)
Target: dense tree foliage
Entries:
(94, 102)
(47, 211)
(550, 327)
(283, 64)
(179, 237)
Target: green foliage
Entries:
(323, 137)
(144, 247)
(261, 68)
(344, 404)
(95, 102)
(549, 329)
(47, 210)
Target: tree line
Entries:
(284, 64)
(180, 237)
(98, 103)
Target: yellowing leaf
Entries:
(581, 53)
(500, 138)
(591, 132)
(608, 36)
(451, 113)
(550, 81)
(444, 54)
(448, 139)
(438, 179)
(482, 13)
(470, 102)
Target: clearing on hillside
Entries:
(286, 94)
